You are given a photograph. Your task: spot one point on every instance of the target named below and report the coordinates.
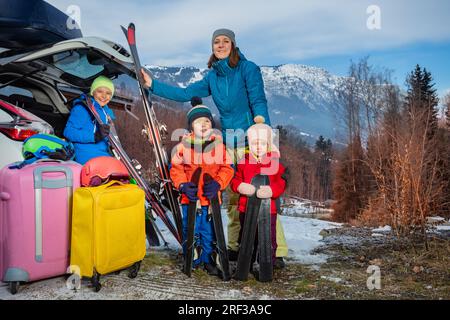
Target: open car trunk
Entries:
(55, 75)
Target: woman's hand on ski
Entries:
(246, 189)
(264, 192)
(147, 79)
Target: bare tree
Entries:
(406, 163)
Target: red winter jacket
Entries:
(249, 167)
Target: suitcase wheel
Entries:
(134, 269)
(14, 287)
(95, 280)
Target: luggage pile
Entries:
(57, 216)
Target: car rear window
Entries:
(81, 63)
(10, 90)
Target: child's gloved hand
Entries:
(210, 189)
(246, 189)
(102, 132)
(264, 192)
(190, 190)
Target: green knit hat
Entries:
(102, 81)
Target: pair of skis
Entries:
(153, 130)
(220, 244)
(257, 219)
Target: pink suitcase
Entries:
(35, 208)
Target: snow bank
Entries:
(303, 236)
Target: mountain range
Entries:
(302, 96)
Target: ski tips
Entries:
(130, 33)
(196, 175)
(130, 26)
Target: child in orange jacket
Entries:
(263, 158)
(201, 148)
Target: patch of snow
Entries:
(197, 76)
(303, 236)
(437, 218)
(306, 208)
(179, 72)
(443, 228)
(332, 279)
(377, 235)
(172, 243)
(383, 229)
(150, 66)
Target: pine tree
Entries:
(430, 100)
(422, 100)
(422, 114)
(323, 151)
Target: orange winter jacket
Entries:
(210, 155)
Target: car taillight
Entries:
(18, 134)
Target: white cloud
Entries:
(179, 32)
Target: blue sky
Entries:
(323, 33)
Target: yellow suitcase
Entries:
(108, 230)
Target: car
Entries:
(38, 85)
(16, 125)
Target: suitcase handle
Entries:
(111, 183)
(48, 160)
(40, 184)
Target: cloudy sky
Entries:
(320, 33)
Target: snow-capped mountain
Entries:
(303, 96)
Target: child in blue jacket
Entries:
(89, 137)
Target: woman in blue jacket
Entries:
(237, 88)
(88, 137)
(235, 84)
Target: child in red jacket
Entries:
(263, 158)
